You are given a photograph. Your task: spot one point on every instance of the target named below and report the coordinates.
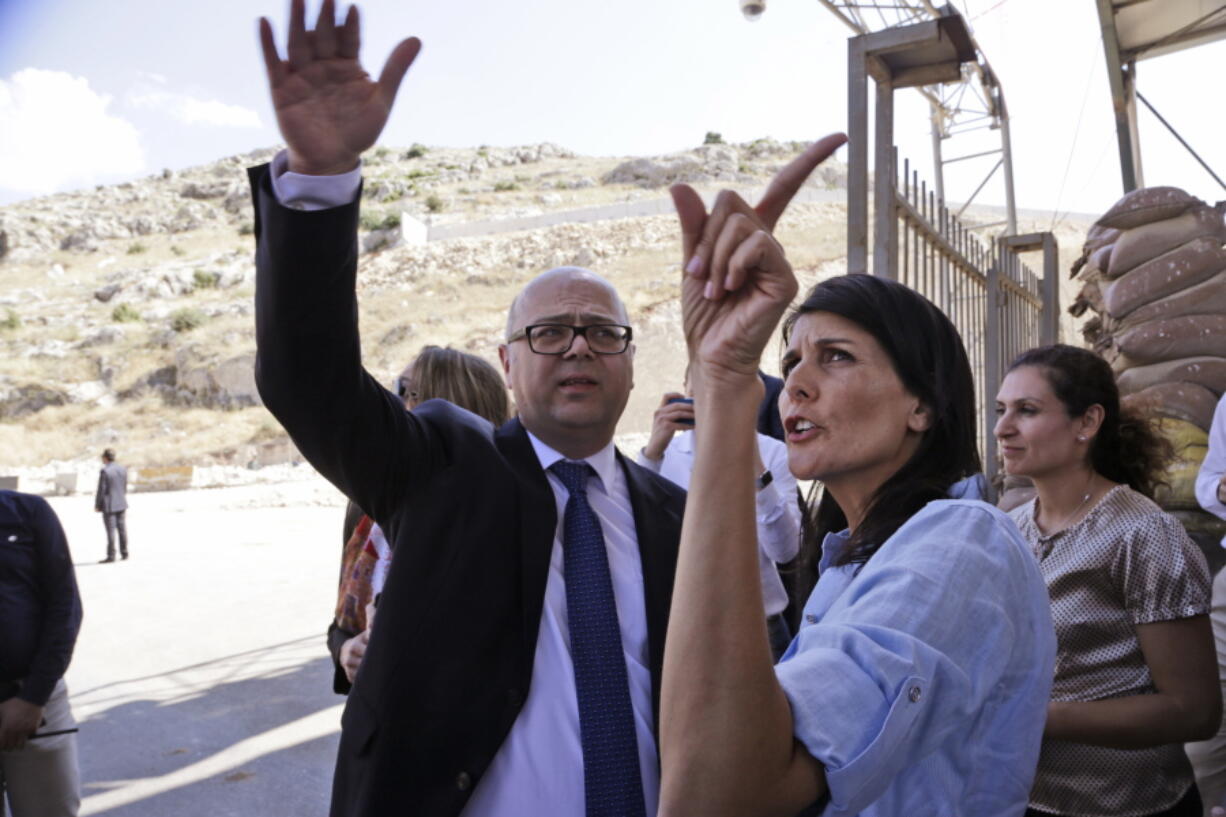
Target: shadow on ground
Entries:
(259, 745)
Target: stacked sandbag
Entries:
(1153, 273)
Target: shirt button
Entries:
(915, 694)
(810, 619)
(463, 781)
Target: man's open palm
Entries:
(328, 108)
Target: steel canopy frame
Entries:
(1135, 30)
(971, 100)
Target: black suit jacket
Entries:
(769, 421)
(471, 516)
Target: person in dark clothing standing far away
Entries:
(769, 421)
(515, 668)
(111, 501)
(40, 615)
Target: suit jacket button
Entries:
(514, 697)
(463, 781)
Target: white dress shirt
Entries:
(1214, 465)
(778, 513)
(538, 770)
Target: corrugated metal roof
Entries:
(1149, 28)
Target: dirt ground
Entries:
(201, 681)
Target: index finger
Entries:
(787, 182)
(692, 214)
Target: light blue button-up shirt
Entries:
(920, 680)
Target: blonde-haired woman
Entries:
(436, 373)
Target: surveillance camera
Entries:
(752, 9)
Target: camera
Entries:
(752, 9)
(690, 400)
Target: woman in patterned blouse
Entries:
(1135, 671)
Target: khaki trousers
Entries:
(42, 779)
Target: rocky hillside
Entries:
(126, 311)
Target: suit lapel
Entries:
(657, 527)
(538, 521)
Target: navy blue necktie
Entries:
(611, 782)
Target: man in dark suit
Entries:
(515, 665)
(769, 421)
(111, 500)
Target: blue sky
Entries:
(94, 93)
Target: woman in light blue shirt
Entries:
(918, 681)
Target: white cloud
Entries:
(55, 132)
(193, 111)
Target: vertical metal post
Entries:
(1006, 151)
(938, 162)
(1134, 135)
(1122, 98)
(991, 359)
(1050, 332)
(857, 156)
(885, 206)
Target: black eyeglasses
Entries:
(557, 338)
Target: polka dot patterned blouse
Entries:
(1125, 563)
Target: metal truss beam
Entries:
(961, 100)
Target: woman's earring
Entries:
(1081, 438)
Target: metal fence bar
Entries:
(998, 304)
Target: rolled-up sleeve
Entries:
(906, 655)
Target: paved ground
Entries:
(200, 679)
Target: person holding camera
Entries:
(670, 453)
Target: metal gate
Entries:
(999, 305)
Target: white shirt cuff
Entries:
(648, 463)
(302, 192)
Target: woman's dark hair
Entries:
(460, 378)
(927, 354)
(1128, 447)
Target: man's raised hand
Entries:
(328, 108)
